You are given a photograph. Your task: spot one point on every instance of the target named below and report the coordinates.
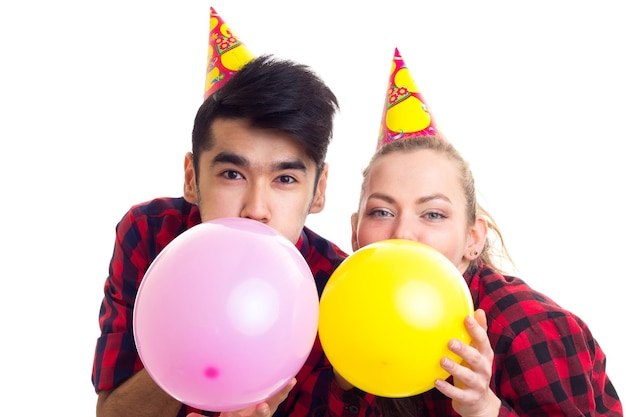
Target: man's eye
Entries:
(286, 179)
(231, 175)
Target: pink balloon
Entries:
(226, 315)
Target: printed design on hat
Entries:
(406, 113)
(226, 55)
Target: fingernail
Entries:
(454, 345)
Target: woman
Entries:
(545, 359)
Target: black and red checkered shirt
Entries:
(141, 234)
(546, 362)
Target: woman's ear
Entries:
(476, 238)
(189, 188)
(354, 221)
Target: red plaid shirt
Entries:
(546, 360)
(546, 363)
(141, 234)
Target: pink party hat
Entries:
(405, 114)
(227, 54)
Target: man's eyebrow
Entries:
(296, 164)
(229, 158)
(238, 160)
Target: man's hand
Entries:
(264, 409)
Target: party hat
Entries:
(405, 113)
(227, 54)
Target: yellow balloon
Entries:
(387, 314)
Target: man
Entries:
(258, 151)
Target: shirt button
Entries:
(353, 409)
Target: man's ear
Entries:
(319, 199)
(190, 191)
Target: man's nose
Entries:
(256, 204)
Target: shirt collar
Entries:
(303, 243)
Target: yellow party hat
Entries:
(227, 54)
(405, 113)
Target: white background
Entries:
(97, 102)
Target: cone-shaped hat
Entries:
(405, 113)
(227, 54)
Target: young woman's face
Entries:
(414, 195)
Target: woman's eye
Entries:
(435, 216)
(380, 213)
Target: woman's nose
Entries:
(405, 228)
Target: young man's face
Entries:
(259, 174)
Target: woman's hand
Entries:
(264, 409)
(470, 394)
